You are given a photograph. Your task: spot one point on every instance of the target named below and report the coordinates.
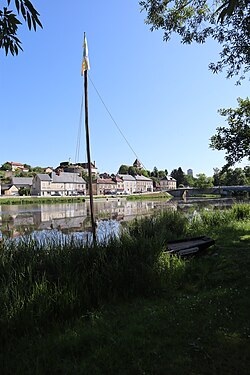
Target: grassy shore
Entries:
(126, 307)
(78, 199)
(31, 200)
(148, 196)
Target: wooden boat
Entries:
(189, 246)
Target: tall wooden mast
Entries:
(85, 68)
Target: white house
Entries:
(63, 184)
(167, 183)
(143, 184)
(129, 183)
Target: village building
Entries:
(64, 184)
(143, 184)
(17, 166)
(25, 182)
(9, 190)
(16, 183)
(102, 186)
(120, 185)
(137, 164)
(66, 166)
(129, 183)
(167, 183)
(94, 170)
(48, 170)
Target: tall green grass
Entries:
(46, 282)
(43, 283)
(210, 221)
(57, 301)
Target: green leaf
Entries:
(34, 23)
(23, 11)
(29, 21)
(17, 5)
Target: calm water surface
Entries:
(67, 218)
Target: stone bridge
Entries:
(221, 190)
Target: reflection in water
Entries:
(66, 218)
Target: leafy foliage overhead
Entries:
(234, 139)
(10, 22)
(227, 22)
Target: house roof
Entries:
(126, 177)
(118, 179)
(142, 178)
(105, 181)
(22, 180)
(14, 163)
(5, 186)
(67, 177)
(168, 178)
(137, 163)
(43, 177)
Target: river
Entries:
(68, 218)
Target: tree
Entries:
(178, 175)
(24, 191)
(38, 169)
(247, 171)
(189, 180)
(10, 23)
(217, 177)
(123, 169)
(202, 181)
(199, 20)
(155, 172)
(231, 177)
(247, 174)
(144, 173)
(6, 167)
(132, 171)
(235, 139)
(162, 174)
(235, 177)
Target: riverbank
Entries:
(76, 199)
(127, 307)
(36, 199)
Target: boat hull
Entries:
(189, 246)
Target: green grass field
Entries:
(127, 307)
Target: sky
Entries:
(160, 96)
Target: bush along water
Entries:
(208, 221)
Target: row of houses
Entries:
(68, 184)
